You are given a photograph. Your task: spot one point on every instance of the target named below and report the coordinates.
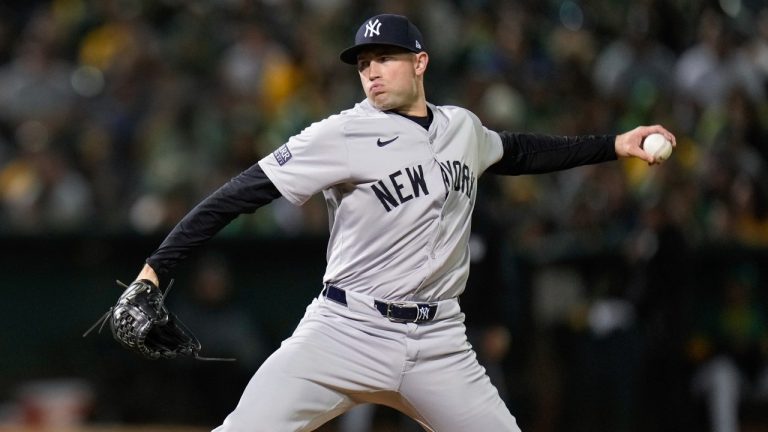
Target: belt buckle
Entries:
(421, 315)
(400, 305)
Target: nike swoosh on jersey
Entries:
(381, 143)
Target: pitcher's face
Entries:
(391, 77)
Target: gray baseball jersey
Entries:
(400, 197)
(400, 200)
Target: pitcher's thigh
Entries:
(282, 398)
(453, 394)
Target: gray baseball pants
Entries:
(343, 355)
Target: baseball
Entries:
(657, 145)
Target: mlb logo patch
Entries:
(282, 155)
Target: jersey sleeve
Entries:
(490, 148)
(309, 162)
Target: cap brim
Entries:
(349, 55)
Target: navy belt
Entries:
(402, 312)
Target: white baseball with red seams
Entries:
(658, 145)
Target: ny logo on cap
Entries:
(372, 28)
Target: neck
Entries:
(418, 108)
(420, 111)
(418, 105)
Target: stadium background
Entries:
(117, 116)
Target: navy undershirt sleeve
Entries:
(244, 193)
(526, 153)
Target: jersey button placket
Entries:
(431, 134)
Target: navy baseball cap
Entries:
(384, 29)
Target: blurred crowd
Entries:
(120, 115)
(117, 116)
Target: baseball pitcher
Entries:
(399, 175)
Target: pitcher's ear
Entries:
(422, 59)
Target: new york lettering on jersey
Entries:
(401, 186)
(408, 183)
(457, 176)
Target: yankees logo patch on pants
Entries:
(343, 355)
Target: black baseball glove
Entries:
(141, 323)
